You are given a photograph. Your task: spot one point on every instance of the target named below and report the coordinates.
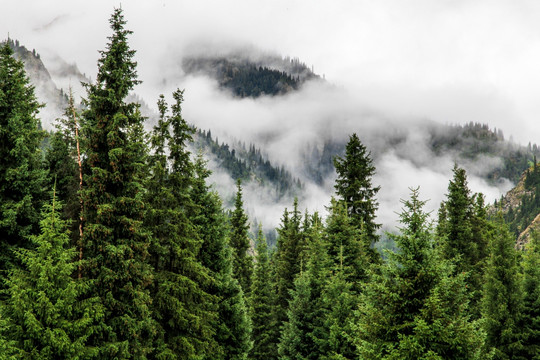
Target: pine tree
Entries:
(233, 326)
(115, 242)
(47, 319)
(416, 308)
(21, 171)
(261, 301)
(182, 306)
(239, 240)
(530, 313)
(353, 186)
(502, 300)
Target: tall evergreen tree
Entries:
(261, 302)
(353, 185)
(339, 301)
(239, 240)
(232, 324)
(346, 247)
(463, 229)
(21, 171)
(304, 325)
(502, 300)
(47, 319)
(530, 313)
(416, 308)
(182, 306)
(287, 257)
(115, 242)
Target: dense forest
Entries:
(114, 246)
(250, 78)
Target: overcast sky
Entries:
(451, 61)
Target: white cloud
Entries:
(392, 62)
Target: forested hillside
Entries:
(115, 246)
(246, 77)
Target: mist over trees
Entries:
(113, 245)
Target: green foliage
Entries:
(46, 318)
(240, 244)
(463, 232)
(502, 300)
(21, 171)
(347, 246)
(182, 306)
(305, 313)
(232, 324)
(115, 241)
(415, 308)
(530, 313)
(262, 302)
(353, 186)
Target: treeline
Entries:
(473, 140)
(244, 78)
(248, 164)
(113, 246)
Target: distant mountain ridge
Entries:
(248, 77)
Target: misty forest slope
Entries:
(115, 242)
(469, 144)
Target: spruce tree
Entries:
(463, 230)
(353, 185)
(261, 302)
(287, 257)
(304, 325)
(239, 240)
(181, 304)
(530, 313)
(21, 171)
(115, 242)
(415, 308)
(502, 300)
(346, 247)
(339, 301)
(46, 317)
(232, 324)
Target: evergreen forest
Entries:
(114, 245)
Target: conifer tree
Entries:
(502, 300)
(182, 306)
(239, 240)
(232, 324)
(115, 242)
(287, 257)
(304, 325)
(353, 185)
(530, 313)
(338, 301)
(261, 302)
(463, 230)
(21, 170)
(345, 246)
(416, 308)
(47, 319)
